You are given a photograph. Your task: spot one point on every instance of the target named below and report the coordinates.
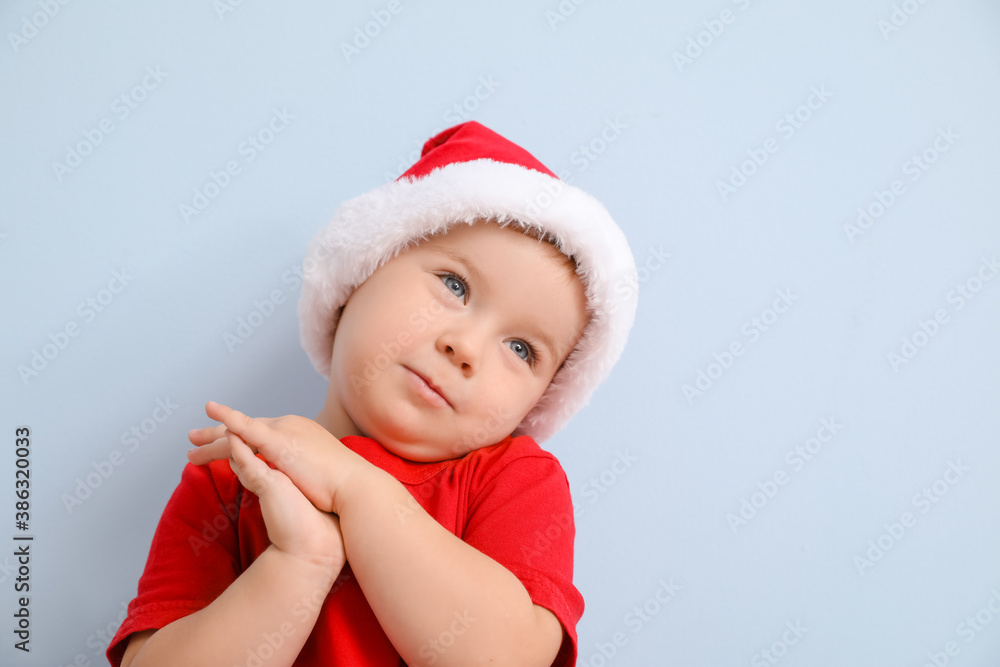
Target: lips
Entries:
(428, 389)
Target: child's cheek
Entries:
(417, 322)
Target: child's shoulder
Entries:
(512, 448)
(517, 457)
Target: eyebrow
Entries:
(481, 278)
(464, 261)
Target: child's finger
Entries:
(249, 429)
(253, 473)
(203, 436)
(218, 449)
(211, 442)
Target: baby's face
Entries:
(447, 346)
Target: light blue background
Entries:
(358, 122)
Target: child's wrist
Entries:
(356, 482)
(322, 571)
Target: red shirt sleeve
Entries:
(521, 515)
(194, 556)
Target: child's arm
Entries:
(275, 597)
(439, 600)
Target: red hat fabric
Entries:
(468, 173)
(467, 142)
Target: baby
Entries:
(462, 315)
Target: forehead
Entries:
(481, 235)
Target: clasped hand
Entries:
(297, 496)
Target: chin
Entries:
(423, 452)
(404, 445)
(416, 453)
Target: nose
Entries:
(462, 345)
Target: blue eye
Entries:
(522, 350)
(455, 284)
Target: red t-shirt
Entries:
(511, 501)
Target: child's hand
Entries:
(294, 525)
(315, 461)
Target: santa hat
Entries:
(468, 173)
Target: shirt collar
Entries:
(406, 471)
